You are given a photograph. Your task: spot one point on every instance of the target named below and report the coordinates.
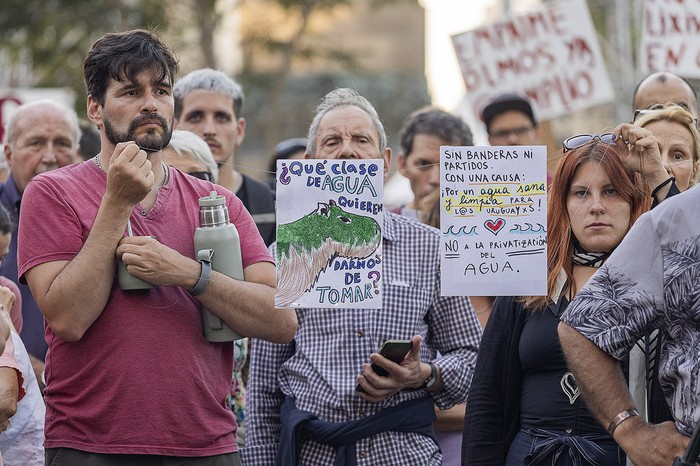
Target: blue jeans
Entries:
(533, 447)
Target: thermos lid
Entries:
(213, 199)
(213, 211)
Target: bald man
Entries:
(42, 135)
(662, 87)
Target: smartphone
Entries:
(393, 350)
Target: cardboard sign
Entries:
(671, 37)
(329, 221)
(493, 220)
(550, 56)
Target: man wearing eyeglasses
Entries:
(510, 121)
(663, 87)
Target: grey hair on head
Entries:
(338, 98)
(188, 144)
(68, 113)
(207, 79)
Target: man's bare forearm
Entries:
(248, 307)
(597, 374)
(603, 387)
(72, 294)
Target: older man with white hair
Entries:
(40, 136)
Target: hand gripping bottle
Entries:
(216, 243)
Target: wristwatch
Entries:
(432, 378)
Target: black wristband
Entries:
(204, 279)
(671, 179)
(432, 378)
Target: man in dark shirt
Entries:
(40, 136)
(208, 103)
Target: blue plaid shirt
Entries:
(320, 367)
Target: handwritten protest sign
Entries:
(493, 220)
(551, 56)
(329, 218)
(671, 37)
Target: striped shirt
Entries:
(320, 367)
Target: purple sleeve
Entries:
(48, 229)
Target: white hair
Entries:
(188, 144)
(68, 113)
(338, 98)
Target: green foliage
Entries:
(52, 36)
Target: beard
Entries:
(150, 142)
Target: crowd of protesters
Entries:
(601, 371)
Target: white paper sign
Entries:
(493, 220)
(671, 37)
(329, 220)
(551, 56)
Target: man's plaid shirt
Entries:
(319, 368)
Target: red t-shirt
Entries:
(143, 379)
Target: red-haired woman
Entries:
(524, 406)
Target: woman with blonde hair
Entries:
(675, 131)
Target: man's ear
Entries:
(8, 155)
(401, 159)
(241, 131)
(94, 111)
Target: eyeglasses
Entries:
(504, 133)
(574, 142)
(640, 112)
(206, 175)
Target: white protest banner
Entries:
(551, 56)
(329, 220)
(671, 37)
(493, 220)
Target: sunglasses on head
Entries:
(640, 112)
(574, 142)
(206, 175)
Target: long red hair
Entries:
(560, 239)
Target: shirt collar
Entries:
(389, 230)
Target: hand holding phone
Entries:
(393, 350)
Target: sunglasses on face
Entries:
(504, 133)
(640, 112)
(574, 142)
(206, 175)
